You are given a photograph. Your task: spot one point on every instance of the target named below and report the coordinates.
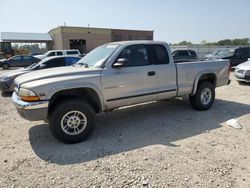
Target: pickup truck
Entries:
(111, 76)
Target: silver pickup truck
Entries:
(112, 76)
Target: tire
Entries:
(67, 115)
(5, 66)
(204, 96)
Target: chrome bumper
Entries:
(33, 111)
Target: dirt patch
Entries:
(160, 144)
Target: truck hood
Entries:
(15, 73)
(54, 72)
(244, 66)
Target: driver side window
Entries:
(136, 55)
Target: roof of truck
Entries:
(138, 42)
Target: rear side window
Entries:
(59, 62)
(183, 53)
(51, 54)
(192, 53)
(72, 52)
(17, 58)
(59, 53)
(26, 57)
(71, 60)
(157, 54)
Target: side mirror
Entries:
(120, 63)
(42, 66)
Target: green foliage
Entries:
(225, 42)
(237, 42)
(183, 43)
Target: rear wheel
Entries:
(204, 96)
(6, 66)
(72, 121)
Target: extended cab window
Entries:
(157, 54)
(161, 54)
(136, 55)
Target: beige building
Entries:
(86, 39)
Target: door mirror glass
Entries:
(120, 63)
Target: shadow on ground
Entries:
(132, 128)
(6, 94)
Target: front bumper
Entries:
(33, 111)
(242, 78)
(7, 85)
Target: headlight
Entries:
(241, 71)
(28, 95)
(6, 78)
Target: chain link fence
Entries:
(201, 50)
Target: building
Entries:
(86, 39)
(28, 39)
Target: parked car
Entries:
(236, 56)
(111, 76)
(242, 72)
(184, 55)
(18, 61)
(58, 53)
(35, 53)
(7, 80)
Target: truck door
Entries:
(165, 71)
(133, 83)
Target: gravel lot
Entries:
(162, 144)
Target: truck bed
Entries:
(187, 72)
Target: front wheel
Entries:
(204, 96)
(5, 66)
(72, 121)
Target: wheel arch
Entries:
(86, 94)
(205, 76)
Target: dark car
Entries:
(184, 55)
(238, 56)
(18, 61)
(7, 80)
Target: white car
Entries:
(242, 72)
(58, 53)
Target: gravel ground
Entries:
(161, 144)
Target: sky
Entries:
(172, 20)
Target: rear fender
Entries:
(198, 77)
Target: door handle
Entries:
(151, 73)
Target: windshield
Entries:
(97, 56)
(216, 52)
(31, 66)
(225, 53)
